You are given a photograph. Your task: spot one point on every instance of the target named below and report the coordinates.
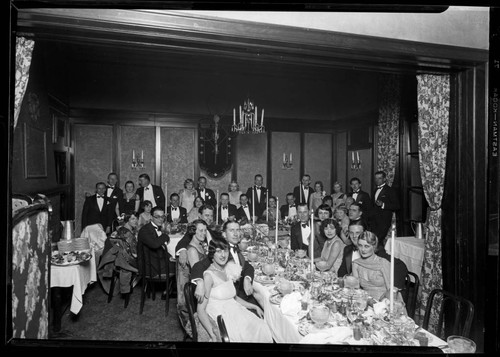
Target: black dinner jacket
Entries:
(364, 200)
(182, 214)
(147, 236)
(92, 215)
(297, 194)
(260, 205)
(232, 211)
(296, 238)
(158, 194)
(400, 268)
(115, 197)
(284, 210)
(241, 215)
(389, 197)
(209, 198)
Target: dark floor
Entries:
(100, 320)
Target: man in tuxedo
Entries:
(290, 208)
(351, 253)
(226, 211)
(244, 289)
(303, 191)
(175, 213)
(206, 214)
(207, 194)
(152, 236)
(300, 232)
(360, 196)
(260, 193)
(150, 192)
(113, 193)
(97, 209)
(386, 203)
(244, 213)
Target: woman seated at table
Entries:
(196, 251)
(270, 212)
(333, 247)
(242, 325)
(194, 213)
(372, 270)
(338, 197)
(145, 215)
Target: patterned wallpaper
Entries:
(318, 159)
(178, 153)
(93, 162)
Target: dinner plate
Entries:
(276, 299)
(70, 258)
(305, 327)
(264, 279)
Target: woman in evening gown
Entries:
(130, 201)
(234, 193)
(187, 195)
(242, 324)
(338, 196)
(194, 213)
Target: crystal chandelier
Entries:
(248, 120)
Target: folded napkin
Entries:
(380, 308)
(335, 335)
(291, 304)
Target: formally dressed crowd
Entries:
(349, 231)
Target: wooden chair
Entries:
(410, 292)
(458, 311)
(114, 278)
(191, 305)
(222, 328)
(153, 271)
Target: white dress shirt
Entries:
(355, 196)
(235, 256)
(305, 193)
(174, 212)
(247, 212)
(158, 232)
(224, 213)
(292, 211)
(149, 195)
(110, 191)
(378, 191)
(100, 202)
(355, 255)
(306, 232)
(258, 190)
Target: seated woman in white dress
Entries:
(333, 247)
(221, 299)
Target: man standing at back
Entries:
(360, 196)
(96, 209)
(150, 192)
(386, 203)
(303, 191)
(258, 193)
(207, 194)
(114, 194)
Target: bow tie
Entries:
(174, 208)
(224, 207)
(235, 249)
(99, 196)
(380, 186)
(257, 188)
(147, 188)
(111, 187)
(304, 225)
(158, 228)
(355, 249)
(291, 206)
(245, 206)
(356, 191)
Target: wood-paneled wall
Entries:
(318, 159)
(284, 180)
(251, 159)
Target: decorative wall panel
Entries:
(93, 162)
(341, 146)
(177, 158)
(251, 159)
(318, 159)
(284, 180)
(141, 140)
(220, 184)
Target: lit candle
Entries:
(253, 205)
(142, 154)
(284, 158)
(133, 154)
(290, 158)
(353, 156)
(166, 189)
(241, 119)
(255, 119)
(276, 233)
(267, 205)
(312, 244)
(393, 235)
(234, 116)
(217, 208)
(357, 153)
(262, 118)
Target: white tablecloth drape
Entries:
(78, 276)
(410, 250)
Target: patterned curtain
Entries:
(24, 51)
(433, 94)
(388, 125)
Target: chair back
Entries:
(410, 292)
(222, 328)
(191, 304)
(455, 314)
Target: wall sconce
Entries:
(137, 163)
(287, 163)
(355, 163)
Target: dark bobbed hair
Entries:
(204, 207)
(216, 242)
(201, 198)
(324, 207)
(327, 222)
(146, 203)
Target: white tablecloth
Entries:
(410, 250)
(174, 239)
(78, 276)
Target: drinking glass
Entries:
(319, 314)
(461, 344)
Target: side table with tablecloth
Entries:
(410, 250)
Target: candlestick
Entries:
(255, 116)
(357, 154)
(262, 118)
(284, 158)
(234, 116)
(166, 189)
(267, 206)
(241, 119)
(253, 205)
(353, 157)
(142, 154)
(276, 233)
(133, 154)
(312, 244)
(391, 305)
(290, 158)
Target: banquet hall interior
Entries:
(160, 92)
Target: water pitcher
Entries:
(68, 230)
(418, 229)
